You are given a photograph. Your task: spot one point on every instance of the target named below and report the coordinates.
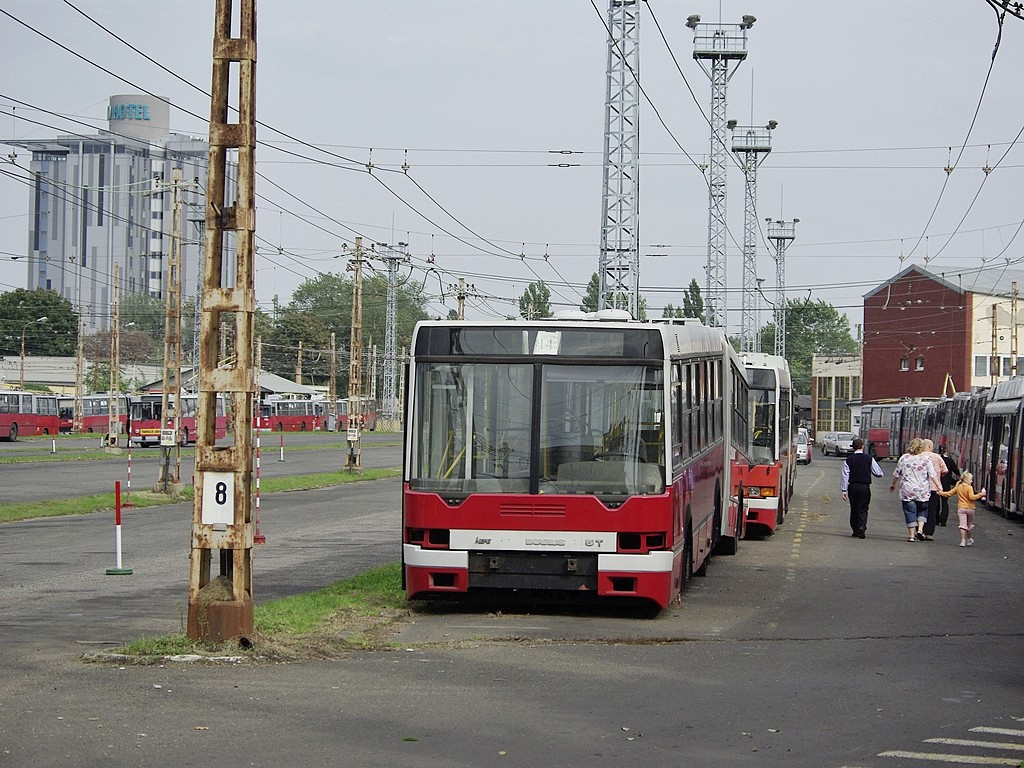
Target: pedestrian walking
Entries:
(855, 483)
(935, 483)
(948, 480)
(914, 471)
(965, 497)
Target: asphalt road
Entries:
(809, 648)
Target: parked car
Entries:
(837, 443)
(803, 447)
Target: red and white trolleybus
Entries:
(27, 413)
(772, 473)
(591, 456)
(147, 424)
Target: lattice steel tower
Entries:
(620, 259)
(753, 143)
(720, 44)
(782, 233)
(393, 256)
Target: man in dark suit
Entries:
(855, 483)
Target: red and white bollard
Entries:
(281, 458)
(128, 488)
(119, 570)
(258, 537)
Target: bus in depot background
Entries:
(146, 422)
(27, 413)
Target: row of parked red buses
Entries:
(31, 414)
(983, 430)
(279, 414)
(586, 457)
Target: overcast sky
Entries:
(873, 99)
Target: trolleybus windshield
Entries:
(538, 427)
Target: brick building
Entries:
(929, 332)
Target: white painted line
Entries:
(1009, 745)
(959, 759)
(999, 731)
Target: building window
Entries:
(825, 387)
(824, 421)
(855, 383)
(1007, 366)
(919, 364)
(904, 364)
(980, 365)
(843, 388)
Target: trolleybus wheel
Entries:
(13, 434)
(688, 555)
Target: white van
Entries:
(803, 447)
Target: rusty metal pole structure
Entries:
(114, 403)
(78, 423)
(355, 361)
(170, 410)
(221, 607)
(332, 387)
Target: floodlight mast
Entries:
(619, 259)
(720, 45)
(782, 233)
(752, 143)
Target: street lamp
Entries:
(23, 329)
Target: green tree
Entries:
(672, 311)
(20, 313)
(812, 328)
(590, 298)
(535, 303)
(693, 302)
(323, 305)
(142, 313)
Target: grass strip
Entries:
(84, 505)
(349, 614)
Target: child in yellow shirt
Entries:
(965, 497)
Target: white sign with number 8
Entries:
(218, 498)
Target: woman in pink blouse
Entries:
(916, 473)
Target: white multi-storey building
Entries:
(106, 199)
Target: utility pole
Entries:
(993, 365)
(78, 425)
(355, 372)
(170, 409)
(782, 233)
(114, 402)
(298, 365)
(200, 226)
(462, 290)
(619, 267)
(221, 608)
(332, 387)
(721, 45)
(1013, 328)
